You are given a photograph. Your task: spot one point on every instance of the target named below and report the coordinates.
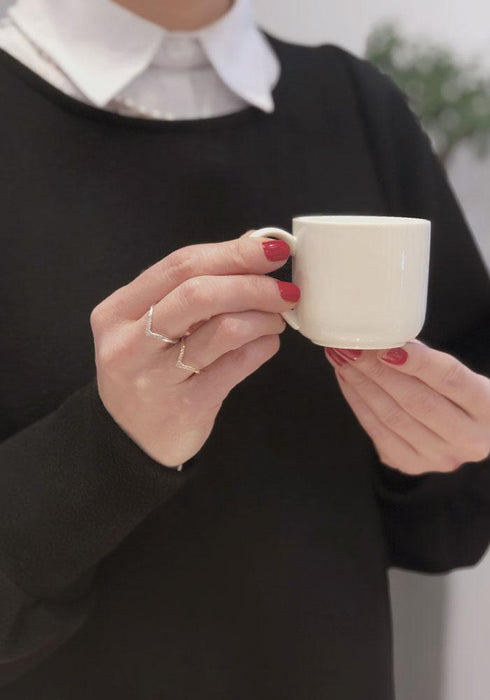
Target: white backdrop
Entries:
(442, 623)
(464, 25)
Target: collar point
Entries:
(265, 104)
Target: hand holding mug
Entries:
(222, 292)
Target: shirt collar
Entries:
(102, 47)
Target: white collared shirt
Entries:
(107, 56)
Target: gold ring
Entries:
(151, 333)
(179, 362)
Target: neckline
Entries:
(95, 113)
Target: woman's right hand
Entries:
(218, 292)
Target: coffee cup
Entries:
(363, 279)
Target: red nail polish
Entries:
(289, 291)
(349, 354)
(276, 250)
(396, 356)
(335, 357)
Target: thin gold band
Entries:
(164, 338)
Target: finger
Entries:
(234, 257)
(437, 452)
(219, 336)
(443, 373)
(433, 410)
(204, 297)
(392, 449)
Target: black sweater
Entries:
(260, 571)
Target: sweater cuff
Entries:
(72, 486)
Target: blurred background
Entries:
(438, 51)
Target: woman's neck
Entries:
(183, 15)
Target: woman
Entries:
(209, 510)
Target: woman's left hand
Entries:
(423, 409)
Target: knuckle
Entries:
(454, 376)
(195, 291)
(231, 327)
(396, 418)
(240, 253)
(375, 369)
(359, 379)
(181, 262)
(421, 403)
(98, 317)
(259, 285)
(95, 317)
(377, 374)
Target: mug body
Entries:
(363, 279)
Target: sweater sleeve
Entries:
(73, 485)
(432, 522)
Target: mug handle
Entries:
(271, 232)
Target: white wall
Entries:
(442, 623)
(464, 25)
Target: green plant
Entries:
(449, 95)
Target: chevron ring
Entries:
(164, 338)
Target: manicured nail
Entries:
(335, 357)
(276, 250)
(349, 354)
(289, 291)
(396, 356)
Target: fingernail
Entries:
(289, 291)
(335, 357)
(396, 356)
(276, 250)
(349, 354)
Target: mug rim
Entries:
(357, 220)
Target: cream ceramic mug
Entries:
(363, 279)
